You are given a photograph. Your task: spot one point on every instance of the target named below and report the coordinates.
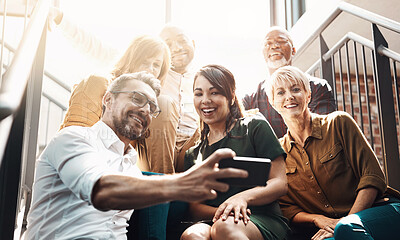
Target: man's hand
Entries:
(55, 16)
(200, 182)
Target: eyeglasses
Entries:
(280, 42)
(140, 100)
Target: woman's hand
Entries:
(322, 234)
(235, 206)
(325, 223)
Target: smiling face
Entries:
(278, 50)
(290, 100)
(288, 93)
(127, 119)
(210, 104)
(152, 64)
(181, 47)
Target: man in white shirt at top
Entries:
(87, 182)
(175, 130)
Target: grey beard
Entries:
(278, 63)
(124, 129)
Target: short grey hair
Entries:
(120, 82)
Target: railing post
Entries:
(10, 170)
(21, 144)
(390, 146)
(326, 66)
(32, 125)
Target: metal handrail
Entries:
(16, 77)
(353, 10)
(56, 102)
(314, 67)
(46, 73)
(370, 16)
(359, 39)
(389, 53)
(349, 36)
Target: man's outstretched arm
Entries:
(196, 184)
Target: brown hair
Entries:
(223, 80)
(139, 50)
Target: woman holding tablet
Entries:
(242, 212)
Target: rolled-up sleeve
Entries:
(289, 208)
(361, 156)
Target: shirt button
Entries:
(306, 163)
(330, 155)
(319, 192)
(311, 177)
(326, 206)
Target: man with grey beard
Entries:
(278, 51)
(87, 182)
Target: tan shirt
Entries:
(325, 175)
(180, 88)
(85, 104)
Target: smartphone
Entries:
(258, 169)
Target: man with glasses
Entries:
(278, 51)
(175, 130)
(87, 182)
(140, 100)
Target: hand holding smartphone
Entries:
(258, 169)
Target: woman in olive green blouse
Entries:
(240, 213)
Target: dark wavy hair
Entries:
(223, 80)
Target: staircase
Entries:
(363, 72)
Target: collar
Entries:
(316, 132)
(264, 83)
(316, 126)
(111, 140)
(188, 74)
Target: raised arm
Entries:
(83, 40)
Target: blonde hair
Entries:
(139, 50)
(281, 77)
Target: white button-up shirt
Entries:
(66, 173)
(180, 88)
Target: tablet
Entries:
(258, 169)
